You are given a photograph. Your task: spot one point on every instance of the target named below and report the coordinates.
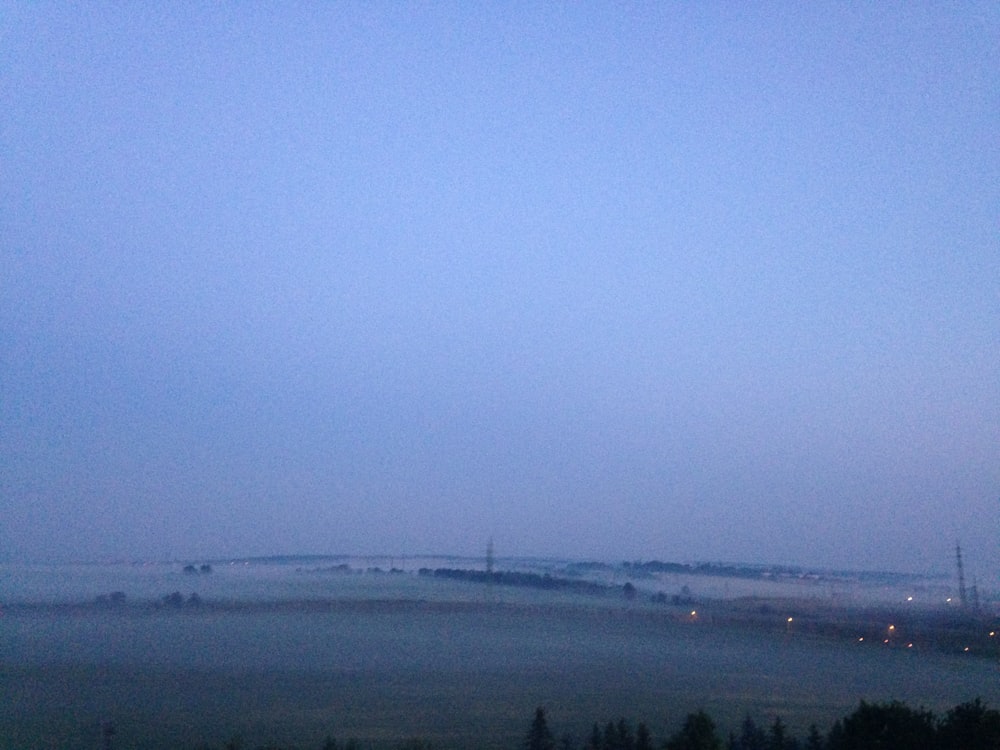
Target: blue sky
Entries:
(700, 281)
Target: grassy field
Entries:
(460, 674)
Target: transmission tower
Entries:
(962, 596)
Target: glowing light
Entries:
(966, 648)
(909, 598)
(790, 619)
(861, 639)
(694, 613)
(909, 645)
(891, 628)
(992, 633)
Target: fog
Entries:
(284, 653)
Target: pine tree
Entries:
(625, 739)
(610, 737)
(752, 737)
(697, 733)
(643, 741)
(595, 740)
(776, 738)
(539, 737)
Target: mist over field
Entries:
(292, 650)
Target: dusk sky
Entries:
(677, 281)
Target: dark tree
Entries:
(625, 739)
(970, 726)
(889, 726)
(330, 743)
(752, 737)
(610, 737)
(777, 736)
(539, 737)
(814, 740)
(697, 733)
(595, 741)
(643, 740)
(175, 600)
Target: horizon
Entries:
(539, 559)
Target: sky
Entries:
(623, 281)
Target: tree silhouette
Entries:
(610, 741)
(777, 736)
(625, 739)
(888, 726)
(752, 737)
(814, 740)
(970, 726)
(643, 740)
(595, 741)
(697, 733)
(539, 737)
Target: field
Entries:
(382, 658)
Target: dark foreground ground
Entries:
(463, 674)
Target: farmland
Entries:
(292, 659)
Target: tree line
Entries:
(871, 726)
